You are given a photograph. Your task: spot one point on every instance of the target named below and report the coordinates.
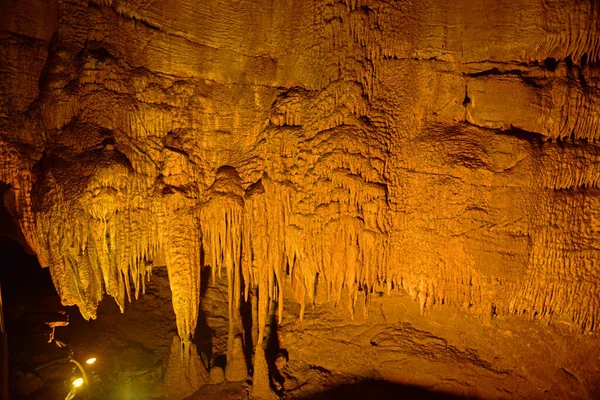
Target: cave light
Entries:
(78, 382)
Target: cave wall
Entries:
(446, 149)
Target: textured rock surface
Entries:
(446, 150)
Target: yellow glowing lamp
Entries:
(78, 382)
(90, 361)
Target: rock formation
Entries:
(445, 149)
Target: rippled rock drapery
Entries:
(445, 149)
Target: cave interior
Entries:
(262, 199)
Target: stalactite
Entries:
(221, 221)
(183, 261)
(257, 270)
(575, 33)
(362, 181)
(20, 180)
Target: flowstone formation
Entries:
(448, 150)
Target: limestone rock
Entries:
(217, 375)
(236, 369)
(364, 128)
(185, 372)
(445, 150)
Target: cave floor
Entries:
(393, 352)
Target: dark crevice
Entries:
(532, 137)
(46, 72)
(569, 62)
(523, 134)
(145, 23)
(204, 333)
(274, 353)
(495, 71)
(583, 60)
(467, 99)
(532, 82)
(246, 315)
(588, 188)
(97, 6)
(550, 63)
(101, 54)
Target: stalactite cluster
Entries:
(353, 145)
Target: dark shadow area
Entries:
(550, 63)
(246, 315)
(132, 347)
(220, 361)
(8, 228)
(29, 301)
(275, 354)
(27, 289)
(374, 389)
(532, 137)
(204, 333)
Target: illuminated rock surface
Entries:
(371, 155)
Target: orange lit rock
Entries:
(185, 372)
(447, 150)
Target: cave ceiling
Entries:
(446, 149)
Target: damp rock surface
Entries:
(339, 154)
